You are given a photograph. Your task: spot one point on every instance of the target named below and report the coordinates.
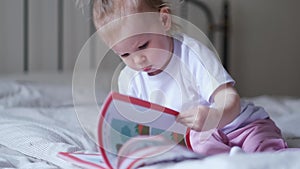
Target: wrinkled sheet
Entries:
(38, 120)
(39, 134)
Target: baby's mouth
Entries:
(147, 69)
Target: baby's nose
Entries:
(139, 58)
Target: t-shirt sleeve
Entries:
(209, 72)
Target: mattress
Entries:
(38, 119)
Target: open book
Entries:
(133, 132)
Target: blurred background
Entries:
(260, 39)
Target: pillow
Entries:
(30, 94)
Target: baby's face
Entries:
(147, 52)
(141, 40)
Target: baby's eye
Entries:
(124, 55)
(144, 46)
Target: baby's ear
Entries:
(165, 18)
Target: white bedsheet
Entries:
(39, 134)
(283, 160)
(37, 120)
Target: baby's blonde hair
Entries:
(105, 11)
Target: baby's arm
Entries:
(226, 108)
(227, 102)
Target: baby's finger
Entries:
(185, 120)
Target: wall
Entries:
(11, 36)
(265, 53)
(43, 35)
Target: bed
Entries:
(38, 118)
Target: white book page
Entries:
(124, 118)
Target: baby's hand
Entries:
(194, 118)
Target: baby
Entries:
(175, 70)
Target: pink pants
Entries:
(258, 136)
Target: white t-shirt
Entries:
(192, 75)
